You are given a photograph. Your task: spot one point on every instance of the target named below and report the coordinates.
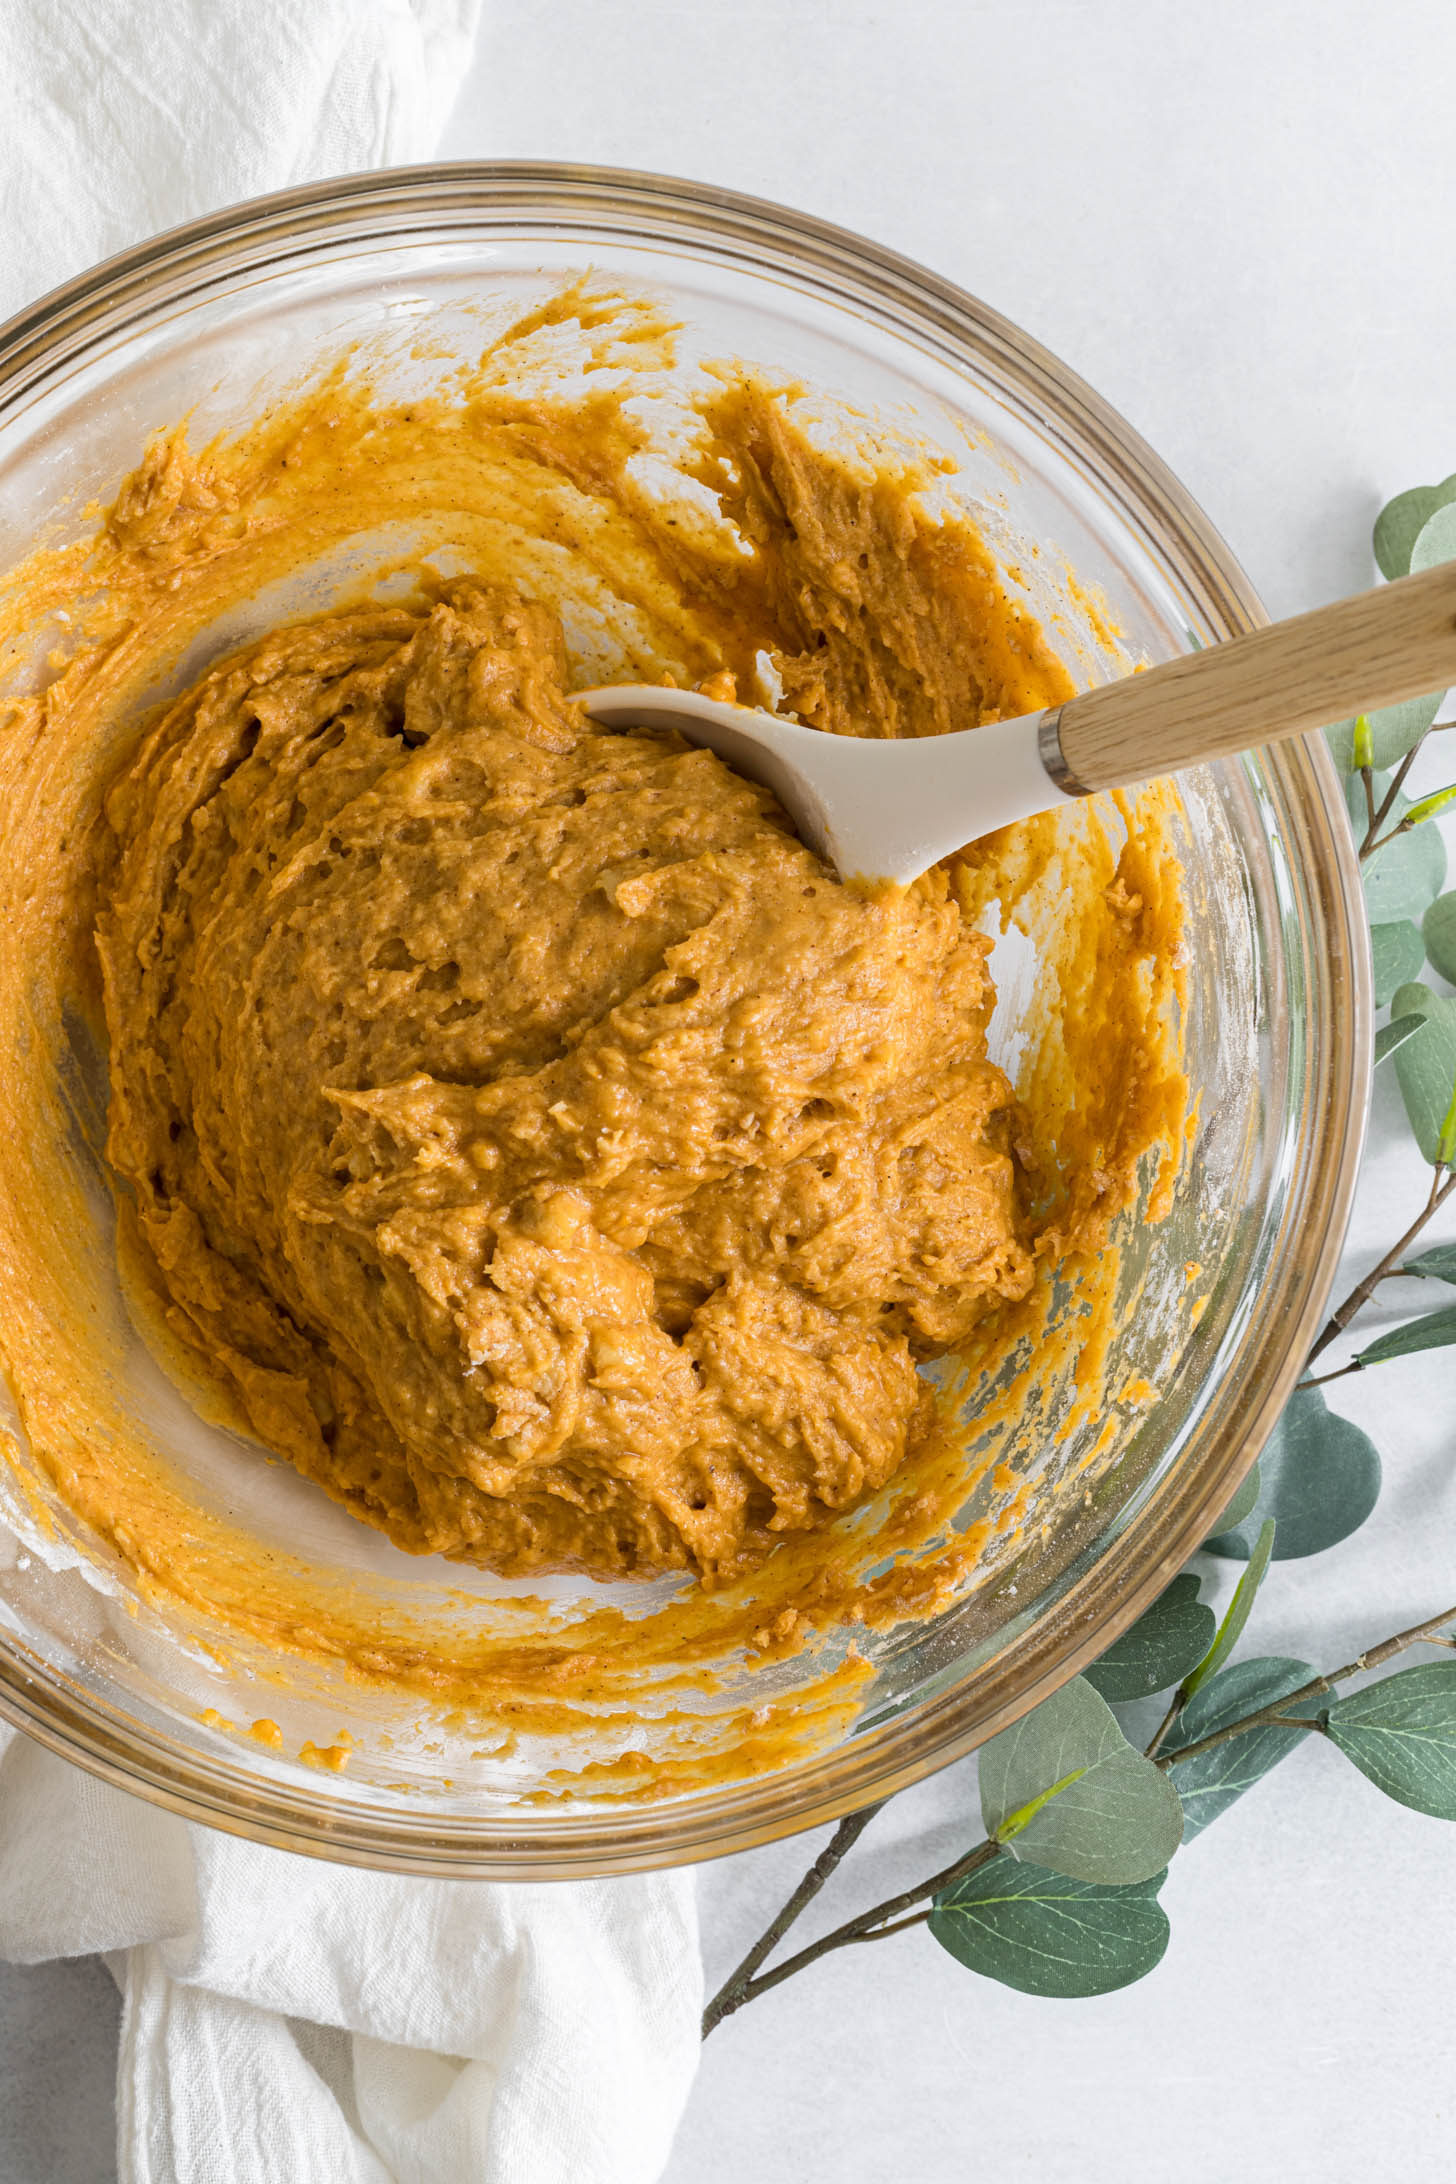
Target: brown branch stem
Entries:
(1321, 1380)
(735, 1987)
(1443, 1182)
(855, 1929)
(1372, 823)
(1174, 1710)
(1379, 815)
(900, 1926)
(1402, 826)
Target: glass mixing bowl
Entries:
(1277, 1025)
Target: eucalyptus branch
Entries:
(1159, 1736)
(1275, 1716)
(1402, 826)
(1322, 1380)
(1443, 1182)
(1372, 828)
(736, 1991)
(884, 1919)
(900, 1926)
(1378, 815)
(736, 1985)
(914, 1906)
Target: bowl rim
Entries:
(60, 327)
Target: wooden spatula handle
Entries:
(1375, 649)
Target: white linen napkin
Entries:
(291, 2022)
(122, 117)
(287, 2021)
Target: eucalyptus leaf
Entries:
(1425, 1066)
(1406, 875)
(1394, 729)
(1394, 1034)
(1401, 1734)
(1041, 1933)
(1401, 521)
(1167, 1640)
(1397, 954)
(1438, 931)
(1437, 1265)
(1211, 1782)
(1231, 1629)
(1319, 1481)
(1115, 1817)
(1433, 1331)
(1436, 539)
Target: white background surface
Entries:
(1237, 220)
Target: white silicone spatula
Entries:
(889, 810)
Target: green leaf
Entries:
(1043, 1934)
(1397, 953)
(1436, 539)
(1231, 1629)
(1167, 1640)
(1434, 1331)
(1401, 1734)
(1401, 521)
(1115, 1817)
(1319, 1481)
(1394, 1035)
(1438, 930)
(1436, 1265)
(1406, 875)
(1213, 1781)
(1426, 1065)
(1392, 731)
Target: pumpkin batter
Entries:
(591, 1312)
(562, 1165)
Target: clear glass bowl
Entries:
(1279, 1007)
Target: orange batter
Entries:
(591, 1209)
(562, 1166)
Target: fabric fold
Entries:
(286, 2020)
